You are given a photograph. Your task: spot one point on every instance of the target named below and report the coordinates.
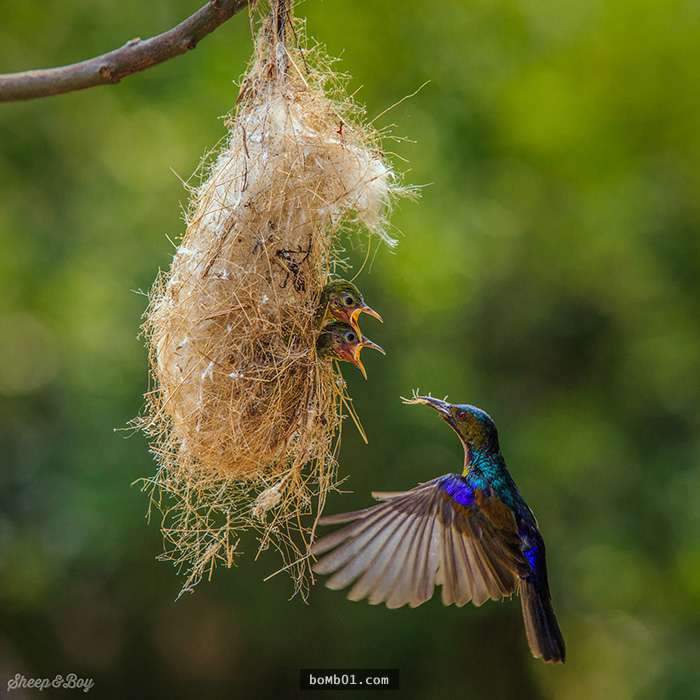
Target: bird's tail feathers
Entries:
(543, 633)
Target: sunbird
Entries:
(343, 301)
(472, 534)
(340, 341)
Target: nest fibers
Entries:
(244, 418)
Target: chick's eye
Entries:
(348, 301)
(350, 337)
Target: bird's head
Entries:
(475, 427)
(344, 301)
(340, 341)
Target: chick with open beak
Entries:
(344, 302)
(340, 341)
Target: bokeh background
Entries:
(550, 274)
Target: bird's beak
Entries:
(442, 407)
(355, 316)
(365, 343)
(370, 312)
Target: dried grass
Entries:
(244, 419)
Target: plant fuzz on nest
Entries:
(243, 418)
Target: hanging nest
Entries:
(243, 418)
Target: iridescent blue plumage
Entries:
(531, 554)
(472, 534)
(457, 488)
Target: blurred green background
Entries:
(550, 274)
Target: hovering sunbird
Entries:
(471, 533)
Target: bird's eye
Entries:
(348, 301)
(350, 337)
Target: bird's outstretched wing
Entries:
(443, 532)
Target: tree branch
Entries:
(136, 55)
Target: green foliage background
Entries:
(550, 274)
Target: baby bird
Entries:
(343, 301)
(340, 341)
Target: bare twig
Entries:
(136, 55)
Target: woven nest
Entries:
(243, 418)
